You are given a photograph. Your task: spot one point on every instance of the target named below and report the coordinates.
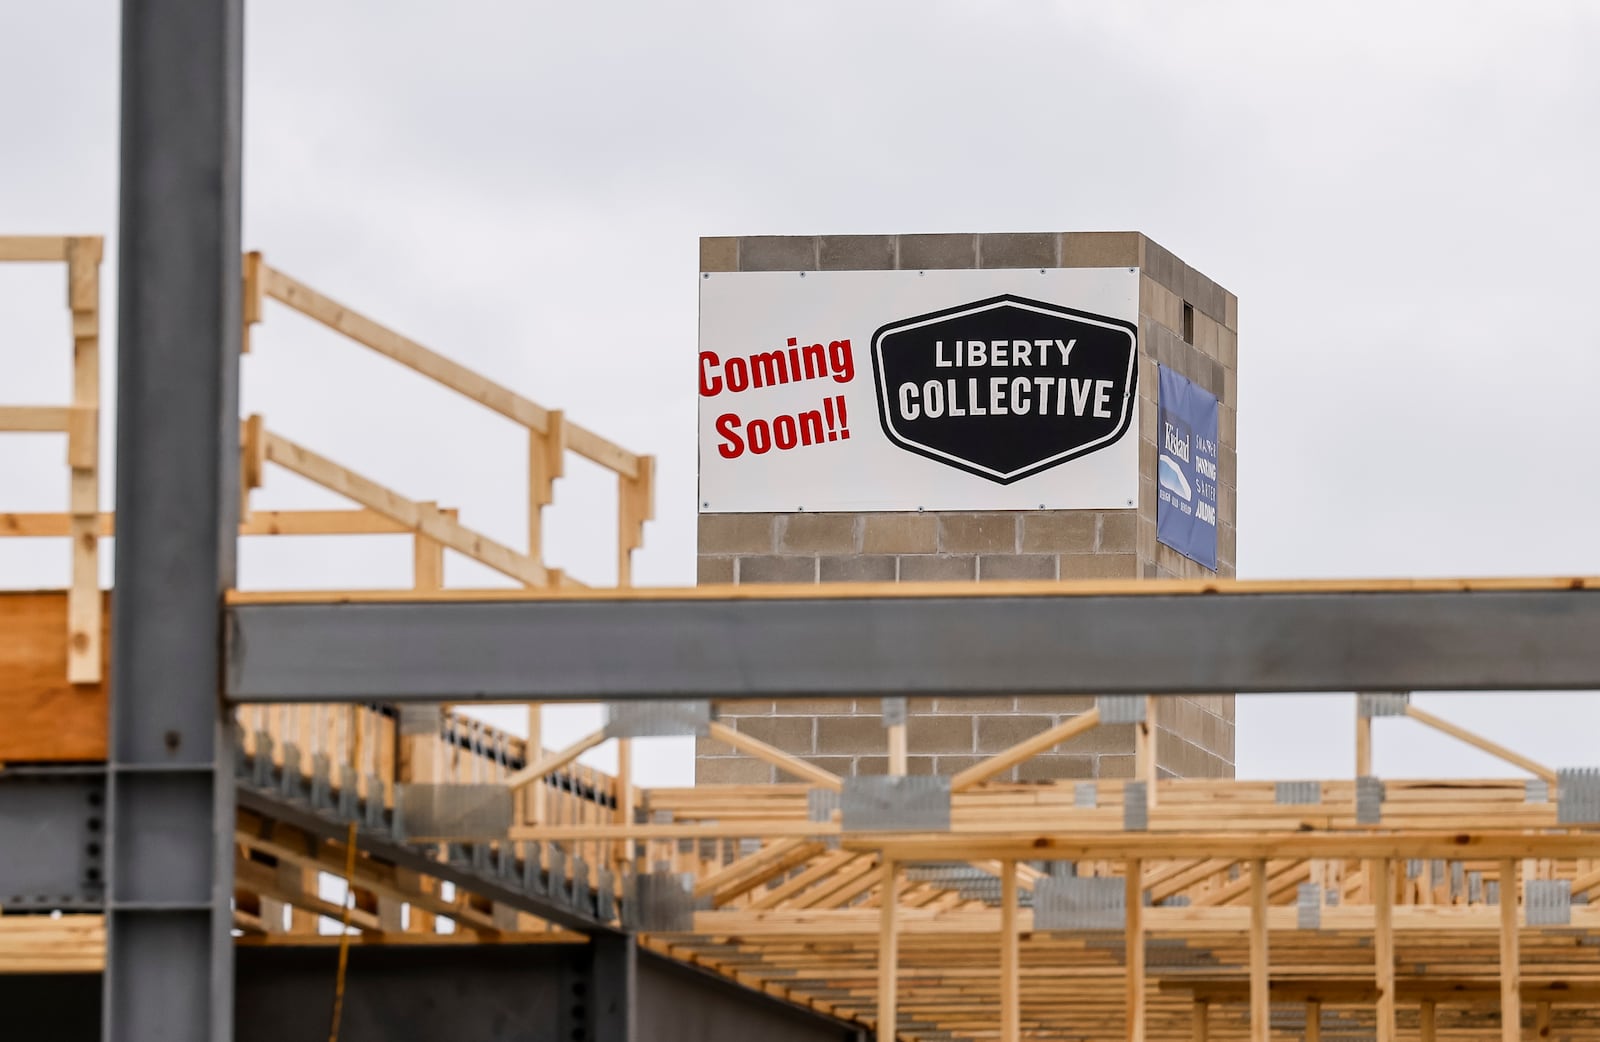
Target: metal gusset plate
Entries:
(654, 719)
(454, 810)
(1067, 903)
(895, 803)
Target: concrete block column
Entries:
(1186, 322)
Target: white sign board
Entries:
(1008, 389)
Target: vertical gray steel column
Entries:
(169, 953)
(613, 987)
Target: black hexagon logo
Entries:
(1007, 387)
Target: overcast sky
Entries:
(1401, 194)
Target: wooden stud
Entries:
(427, 558)
(83, 454)
(1363, 743)
(1313, 1022)
(1260, 1003)
(533, 752)
(1510, 958)
(888, 954)
(547, 450)
(252, 463)
(1541, 1021)
(250, 300)
(635, 506)
(1149, 730)
(1133, 899)
(1381, 873)
(1200, 1021)
(624, 783)
(897, 748)
(1010, 965)
(1426, 1022)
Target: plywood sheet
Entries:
(42, 717)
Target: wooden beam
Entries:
(1510, 958)
(973, 842)
(1133, 898)
(1260, 1002)
(777, 757)
(1010, 965)
(1468, 993)
(430, 522)
(33, 247)
(45, 419)
(1382, 876)
(888, 955)
(555, 761)
(39, 944)
(1024, 750)
(1494, 749)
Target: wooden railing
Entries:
(79, 420)
(379, 510)
(550, 437)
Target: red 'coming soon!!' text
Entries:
(794, 364)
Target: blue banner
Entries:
(1186, 468)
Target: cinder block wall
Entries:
(1195, 736)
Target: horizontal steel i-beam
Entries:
(1017, 640)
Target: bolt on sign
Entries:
(1007, 389)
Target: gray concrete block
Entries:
(978, 533)
(1162, 266)
(1059, 532)
(719, 253)
(938, 568)
(856, 252)
(1119, 532)
(776, 569)
(857, 568)
(1102, 250)
(818, 533)
(899, 534)
(1099, 566)
(714, 570)
(1018, 250)
(934, 252)
(778, 253)
(996, 567)
(737, 533)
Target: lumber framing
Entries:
(79, 420)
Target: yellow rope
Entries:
(344, 931)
